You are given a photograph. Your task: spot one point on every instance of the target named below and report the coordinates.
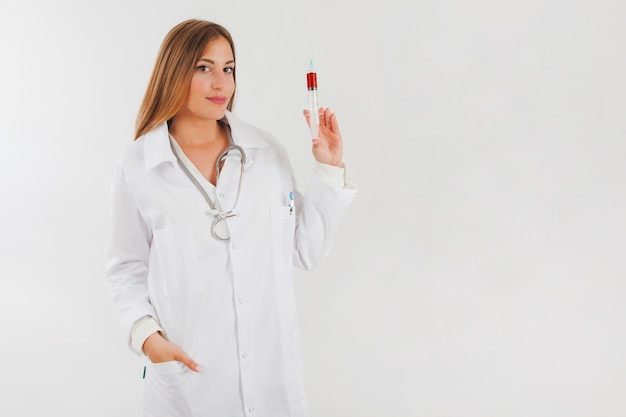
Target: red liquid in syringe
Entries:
(311, 80)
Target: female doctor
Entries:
(206, 227)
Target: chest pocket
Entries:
(283, 233)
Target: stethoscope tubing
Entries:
(220, 215)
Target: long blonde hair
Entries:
(169, 83)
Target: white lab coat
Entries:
(229, 305)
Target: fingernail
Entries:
(198, 368)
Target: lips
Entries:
(218, 100)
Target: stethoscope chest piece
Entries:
(219, 229)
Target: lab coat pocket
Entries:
(165, 390)
(168, 368)
(283, 232)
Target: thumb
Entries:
(182, 356)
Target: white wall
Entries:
(482, 269)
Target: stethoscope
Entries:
(219, 228)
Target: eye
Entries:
(229, 69)
(203, 68)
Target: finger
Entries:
(329, 117)
(306, 117)
(322, 115)
(334, 125)
(187, 361)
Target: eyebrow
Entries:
(210, 61)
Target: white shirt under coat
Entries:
(230, 305)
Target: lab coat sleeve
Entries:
(128, 255)
(142, 329)
(320, 212)
(332, 175)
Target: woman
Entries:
(206, 228)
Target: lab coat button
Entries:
(245, 355)
(251, 409)
(233, 246)
(240, 300)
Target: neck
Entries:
(195, 133)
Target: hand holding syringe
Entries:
(325, 134)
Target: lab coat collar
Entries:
(157, 146)
(244, 134)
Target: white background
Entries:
(481, 271)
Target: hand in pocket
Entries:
(159, 350)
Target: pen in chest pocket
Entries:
(291, 202)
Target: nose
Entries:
(218, 80)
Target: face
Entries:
(212, 84)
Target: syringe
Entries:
(311, 85)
